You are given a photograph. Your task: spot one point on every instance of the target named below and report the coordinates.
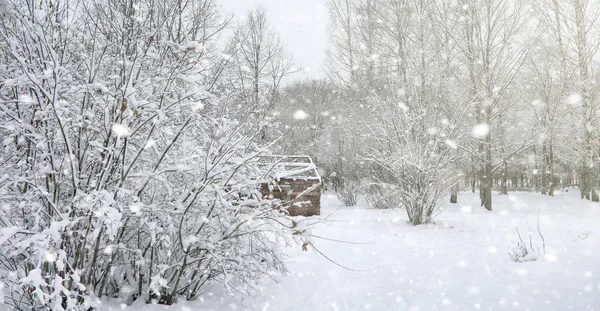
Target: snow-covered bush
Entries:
(419, 181)
(412, 154)
(120, 174)
(348, 193)
(522, 251)
(380, 196)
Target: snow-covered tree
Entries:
(122, 176)
(257, 67)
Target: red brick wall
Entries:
(308, 204)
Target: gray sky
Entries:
(301, 23)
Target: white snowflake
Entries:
(480, 130)
(120, 130)
(300, 115)
(574, 99)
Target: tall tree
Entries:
(341, 59)
(258, 65)
(493, 54)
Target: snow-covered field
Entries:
(460, 263)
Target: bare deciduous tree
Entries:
(259, 63)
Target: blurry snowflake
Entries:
(300, 115)
(120, 130)
(480, 130)
(574, 99)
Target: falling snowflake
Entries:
(574, 99)
(480, 130)
(120, 130)
(300, 115)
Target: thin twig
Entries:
(335, 240)
(333, 261)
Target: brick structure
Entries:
(291, 190)
(297, 184)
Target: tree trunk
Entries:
(587, 101)
(485, 191)
(594, 186)
(504, 185)
(584, 187)
(595, 196)
(454, 193)
(551, 165)
(543, 170)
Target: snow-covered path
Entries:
(460, 263)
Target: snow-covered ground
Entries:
(460, 263)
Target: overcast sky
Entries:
(301, 23)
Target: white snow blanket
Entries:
(458, 263)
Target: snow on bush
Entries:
(380, 196)
(411, 162)
(521, 251)
(120, 130)
(524, 252)
(348, 193)
(104, 194)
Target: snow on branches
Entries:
(122, 175)
(410, 157)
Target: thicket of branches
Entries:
(124, 172)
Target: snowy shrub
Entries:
(380, 196)
(420, 185)
(521, 251)
(120, 175)
(411, 157)
(348, 193)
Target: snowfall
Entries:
(460, 262)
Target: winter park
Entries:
(180, 155)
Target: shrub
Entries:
(380, 196)
(521, 251)
(348, 193)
